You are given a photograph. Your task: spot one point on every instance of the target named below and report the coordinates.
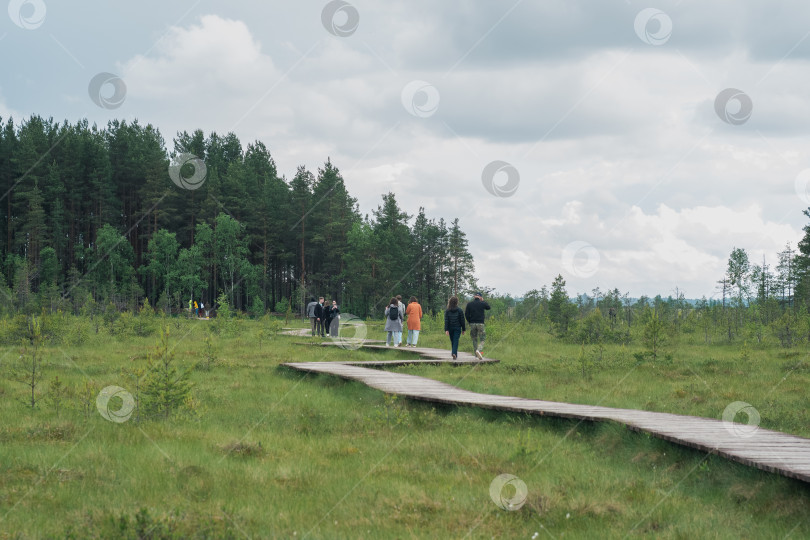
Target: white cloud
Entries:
(7, 112)
(212, 75)
(651, 253)
(217, 54)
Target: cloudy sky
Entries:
(593, 140)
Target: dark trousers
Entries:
(319, 327)
(455, 334)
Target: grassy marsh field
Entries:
(261, 451)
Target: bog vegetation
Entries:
(204, 436)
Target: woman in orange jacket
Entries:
(414, 314)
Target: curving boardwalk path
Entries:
(764, 449)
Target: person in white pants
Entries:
(414, 313)
(393, 324)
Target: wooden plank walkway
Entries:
(772, 451)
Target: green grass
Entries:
(269, 452)
(697, 380)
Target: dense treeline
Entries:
(90, 219)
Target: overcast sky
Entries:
(613, 154)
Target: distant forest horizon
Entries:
(110, 216)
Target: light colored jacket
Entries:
(393, 326)
(311, 309)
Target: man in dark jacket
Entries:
(327, 316)
(454, 324)
(319, 317)
(474, 313)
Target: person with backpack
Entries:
(393, 323)
(454, 324)
(414, 313)
(311, 315)
(475, 316)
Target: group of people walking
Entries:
(324, 320)
(196, 309)
(395, 314)
(324, 317)
(455, 322)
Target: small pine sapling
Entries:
(165, 387)
(57, 393)
(87, 394)
(28, 370)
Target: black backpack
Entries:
(393, 312)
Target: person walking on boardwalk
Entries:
(401, 307)
(196, 309)
(311, 314)
(393, 323)
(319, 317)
(454, 325)
(327, 316)
(414, 313)
(475, 316)
(334, 328)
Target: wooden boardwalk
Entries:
(764, 449)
